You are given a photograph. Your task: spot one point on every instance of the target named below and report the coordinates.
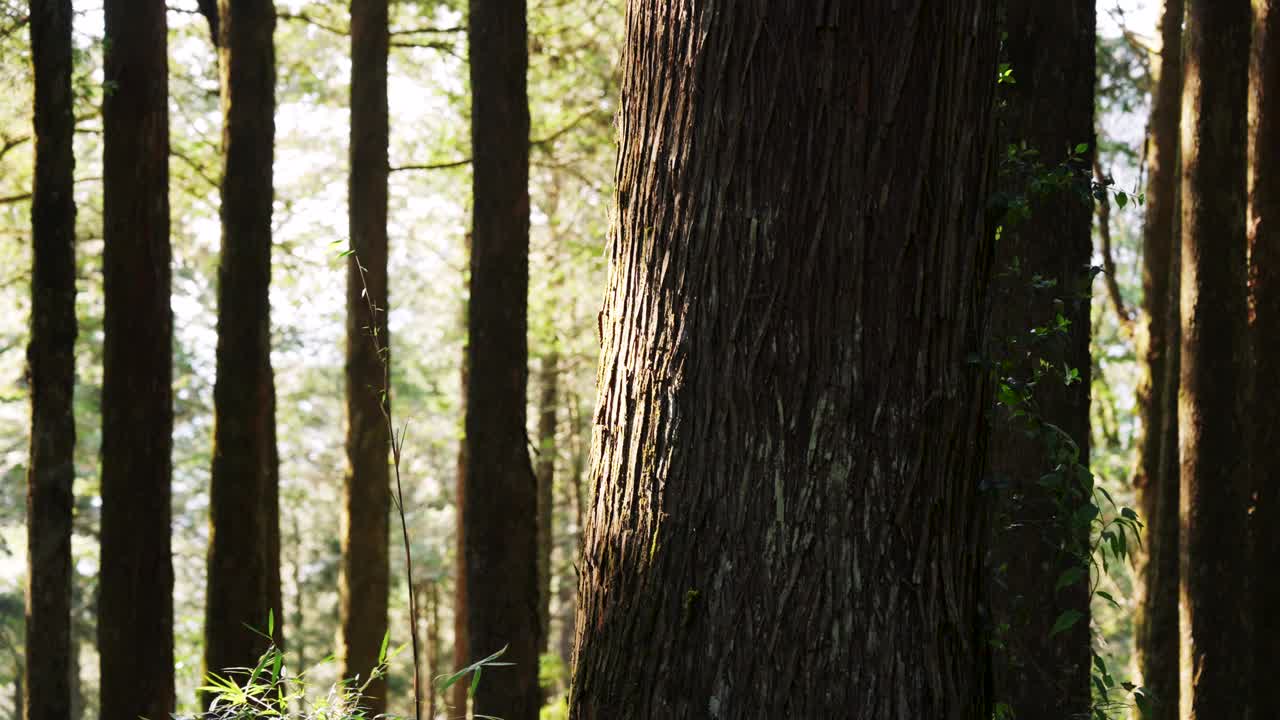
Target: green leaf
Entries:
(1122, 199)
(1066, 621)
(1069, 577)
(1107, 596)
(1082, 148)
(382, 652)
(1143, 702)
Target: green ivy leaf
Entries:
(1066, 621)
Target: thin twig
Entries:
(397, 446)
(533, 144)
(307, 19)
(429, 31)
(1123, 314)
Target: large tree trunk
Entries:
(1211, 406)
(51, 368)
(500, 496)
(788, 437)
(1050, 47)
(244, 563)
(365, 561)
(1156, 631)
(1264, 244)
(135, 591)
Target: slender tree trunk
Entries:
(1264, 244)
(135, 590)
(461, 654)
(298, 646)
(1038, 673)
(788, 439)
(1156, 631)
(244, 560)
(51, 368)
(429, 607)
(365, 560)
(570, 542)
(500, 494)
(545, 469)
(1211, 406)
(77, 683)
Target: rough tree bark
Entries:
(365, 536)
(788, 438)
(51, 368)
(1050, 47)
(135, 589)
(1264, 244)
(1156, 622)
(500, 495)
(244, 548)
(1214, 608)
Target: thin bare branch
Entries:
(1123, 313)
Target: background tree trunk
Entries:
(135, 590)
(51, 368)
(457, 694)
(1050, 47)
(244, 562)
(365, 559)
(1264, 243)
(1211, 405)
(500, 494)
(545, 469)
(1156, 622)
(788, 437)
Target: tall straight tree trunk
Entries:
(788, 439)
(1216, 659)
(457, 699)
(429, 610)
(51, 368)
(297, 620)
(1156, 632)
(500, 497)
(1041, 674)
(579, 429)
(135, 589)
(19, 695)
(244, 549)
(365, 559)
(1264, 245)
(545, 470)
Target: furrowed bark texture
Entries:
(545, 469)
(365, 556)
(1264, 244)
(500, 495)
(51, 368)
(244, 547)
(135, 589)
(1050, 47)
(1214, 607)
(1156, 623)
(788, 439)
